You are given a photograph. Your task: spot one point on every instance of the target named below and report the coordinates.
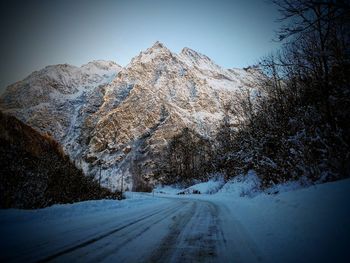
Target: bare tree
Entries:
(321, 24)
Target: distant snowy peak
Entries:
(159, 53)
(158, 45)
(57, 82)
(158, 57)
(196, 59)
(71, 76)
(193, 54)
(101, 67)
(153, 54)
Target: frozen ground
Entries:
(237, 224)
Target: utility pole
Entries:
(121, 187)
(99, 178)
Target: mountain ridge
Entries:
(117, 117)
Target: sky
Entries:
(37, 33)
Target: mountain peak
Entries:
(194, 58)
(193, 54)
(157, 45)
(96, 66)
(158, 50)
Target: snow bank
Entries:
(79, 209)
(243, 185)
(250, 186)
(210, 187)
(305, 225)
(289, 186)
(167, 189)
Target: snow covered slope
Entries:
(117, 118)
(55, 98)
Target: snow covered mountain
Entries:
(50, 99)
(110, 118)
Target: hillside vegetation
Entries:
(36, 173)
(297, 126)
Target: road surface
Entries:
(305, 225)
(169, 230)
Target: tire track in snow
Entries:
(99, 237)
(194, 236)
(111, 245)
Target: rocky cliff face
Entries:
(110, 118)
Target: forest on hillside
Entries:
(35, 171)
(298, 125)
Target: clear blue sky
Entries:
(234, 33)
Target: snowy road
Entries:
(170, 230)
(305, 225)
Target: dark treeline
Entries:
(35, 172)
(298, 124)
(187, 157)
